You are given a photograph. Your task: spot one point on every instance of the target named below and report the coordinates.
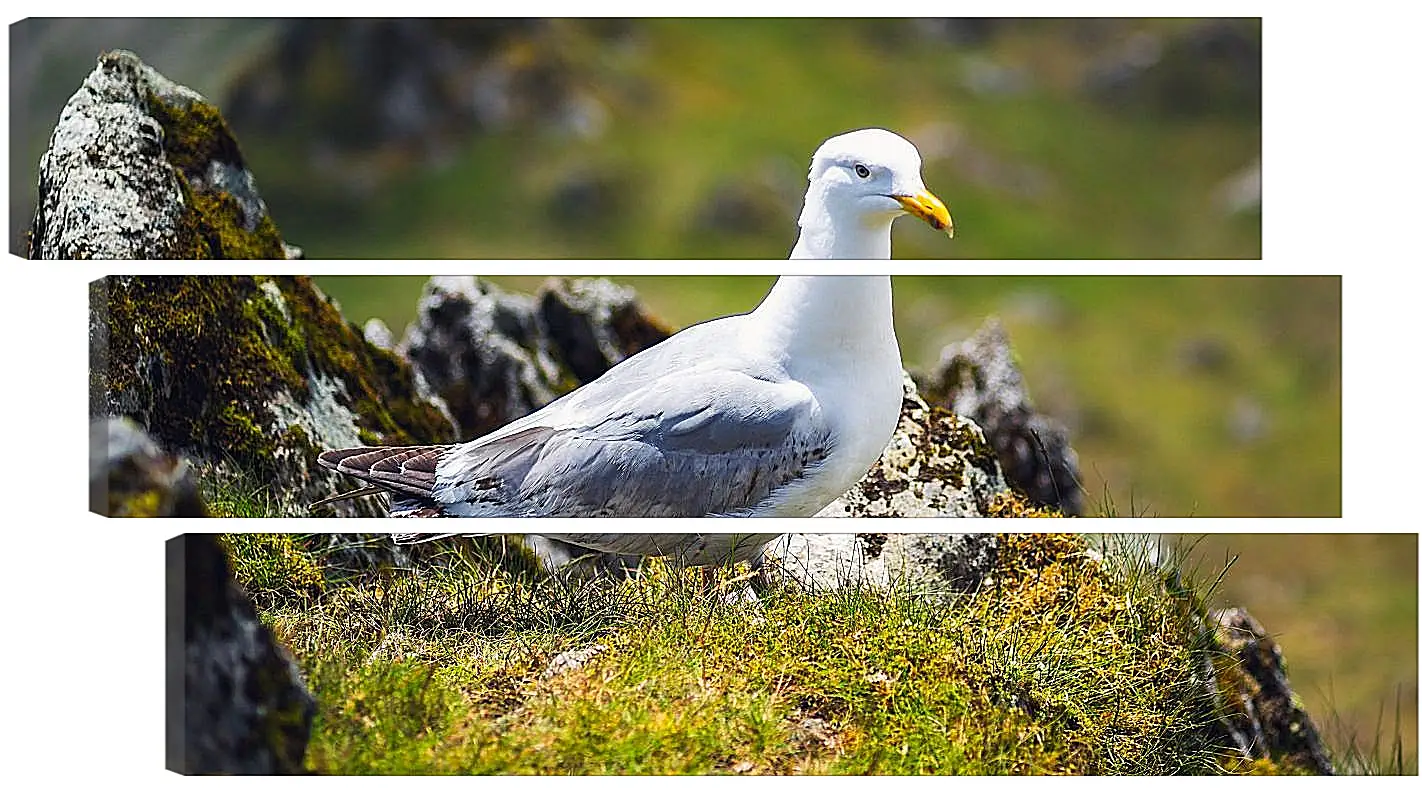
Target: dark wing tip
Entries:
(401, 470)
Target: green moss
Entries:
(145, 504)
(381, 385)
(180, 338)
(222, 228)
(1012, 505)
(274, 567)
(213, 225)
(241, 433)
(197, 359)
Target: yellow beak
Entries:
(929, 209)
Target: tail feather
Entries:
(407, 472)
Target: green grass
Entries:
(1068, 663)
(1103, 354)
(227, 494)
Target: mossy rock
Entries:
(252, 377)
(141, 167)
(237, 702)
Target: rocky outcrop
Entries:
(979, 379)
(595, 323)
(140, 167)
(1261, 713)
(236, 703)
(494, 356)
(937, 464)
(250, 378)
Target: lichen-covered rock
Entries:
(1263, 717)
(251, 377)
(979, 379)
(932, 562)
(141, 167)
(495, 356)
(236, 702)
(936, 465)
(130, 476)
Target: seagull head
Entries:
(861, 181)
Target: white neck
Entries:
(840, 232)
(840, 317)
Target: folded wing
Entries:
(696, 443)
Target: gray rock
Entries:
(744, 207)
(960, 31)
(131, 476)
(379, 334)
(1264, 718)
(923, 562)
(572, 659)
(1247, 422)
(589, 199)
(1204, 354)
(141, 167)
(415, 90)
(495, 356)
(979, 379)
(1206, 67)
(236, 703)
(987, 78)
(594, 324)
(480, 349)
(106, 189)
(1242, 192)
(937, 464)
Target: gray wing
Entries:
(693, 443)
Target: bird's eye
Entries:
(861, 170)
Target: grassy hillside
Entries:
(690, 138)
(1065, 664)
(1186, 396)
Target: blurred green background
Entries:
(1185, 395)
(1343, 607)
(691, 138)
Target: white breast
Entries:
(862, 405)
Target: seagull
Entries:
(776, 412)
